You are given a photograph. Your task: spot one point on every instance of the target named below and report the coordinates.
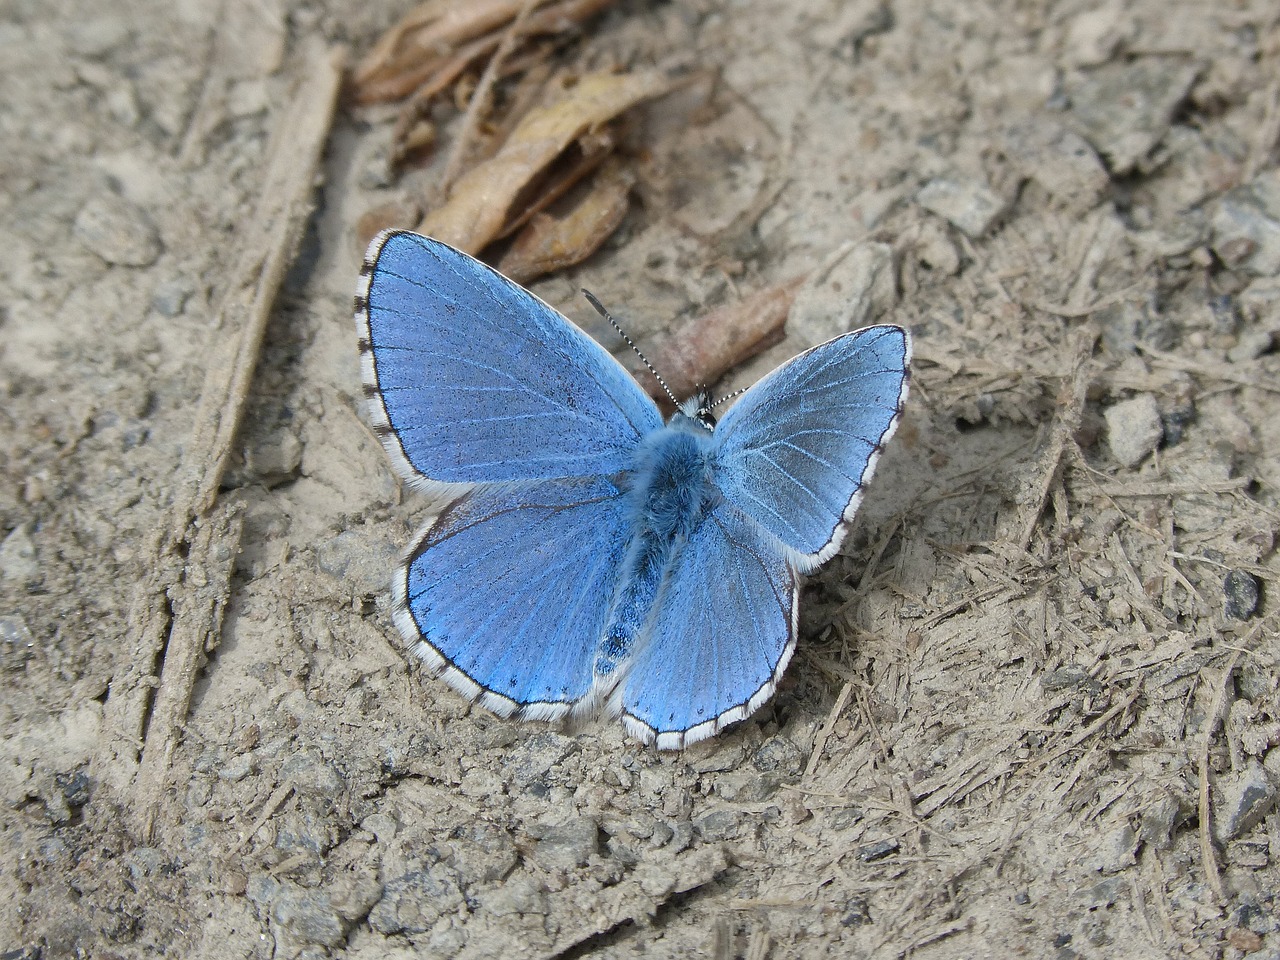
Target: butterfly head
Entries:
(697, 409)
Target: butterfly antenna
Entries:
(591, 299)
(728, 396)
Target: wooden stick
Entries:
(173, 615)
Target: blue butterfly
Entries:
(591, 557)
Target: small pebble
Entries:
(310, 916)
(870, 852)
(857, 913)
(1092, 36)
(1115, 849)
(969, 206)
(1252, 345)
(720, 825)
(169, 297)
(566, 846)
(1125, 108)
(850, 290)
(1243, 801)
(96, 37)
(1061, 162)
(1134, 429)
(236, 769)
(18, 556)
(117, 231)
(1159, 817)
(16, 641)
(413, 902)
(1243, 591)
(1246, 226)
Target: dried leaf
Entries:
(480, 205)
(436, 41)
(703, 349)
(410, 51)
(552, 243)
(570, 169)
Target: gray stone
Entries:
(1116, 849)
(518, 896)
(381, 825)
(1252, 915)
(274, 459)
(1061, 162)
(144, 862)
(412, 903)
(662, 834)
(96, 37)
(779, 753)
(309, 773)
(199, 792)
(1246, 226)
(720, 825)
(1176, 239)
(1064, 678)
(1158, 820)
(851, 289)
(309, 915)
(117, 231)
(619, 851)
(18, 556)
(1259, 303)
(1126, 325)
(567, 845)
(1105, 893)
(536, 757)
(1243, 591)
(1251, 346)
(1093, 36)
(169, 297)
(871, 852)
(262, 889)
(236, 769)
(1125, 108)
(934, 249)
(353, 895)
(971, 207)
(1134, 428)
(1242, 802)
(746, 786)
(358, 559)
(681, 837)
(307, 833)
(16, 641)
(842, 818)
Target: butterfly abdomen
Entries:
(671, 495)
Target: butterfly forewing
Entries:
(473, 379)
(796, 450)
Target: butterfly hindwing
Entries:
(509, 588)
(795, 451)
(721, 633)
(470, 378)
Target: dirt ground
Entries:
(1034, 707)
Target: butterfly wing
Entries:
(470, 378)
(721, 634)
(509, 591)
(796, 450)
